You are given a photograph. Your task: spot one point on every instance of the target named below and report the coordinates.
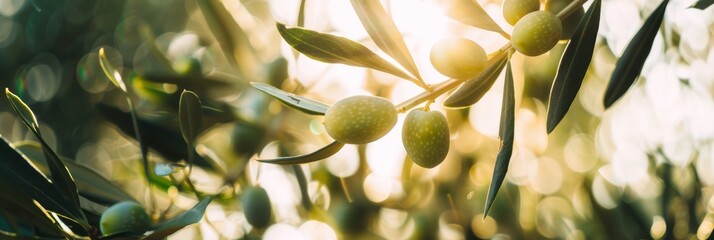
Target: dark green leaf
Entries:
(630, 65)
(573, 66)
(21, 209)
(469, 12)
(703, 4)
(165, 169)
(112, 73)
(320, 154)
(19, 175)
(190, 116)
(473, 90)
(506, 131)
(302, 104)
(164, 229)
(230, 36)
(90, 184)
(60, 175)
(333, 49)
(384, 32)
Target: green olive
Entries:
(246, 138)
(571, 22)
(458, 58)
(351, 218)
(425, 136)
(536, 33)
(360, 119)
(256, 206)
(513, 10)
(124, 217)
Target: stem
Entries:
(445, 86)
(142, 147)
(571, 8)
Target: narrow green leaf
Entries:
(384, 32)
(471, 13)
(24, 111)
(60, 175)
(302, 104)
(165, 169)
(320, 154)
(21, 210)
(334, 49)
(703, 4)
(230, 36)
(506, 132)
(90, 184)
(190, 116)
(192, 216)
(112, 73)
(630, 65)
(21, 176)
(573, 66)
(473, 90)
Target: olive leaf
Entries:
(320, 154)
(192, 216)
(90, 184)
(230, 36)
(60, 175)
(299, 103)
(573, 66)
(112, 73)
(19, 175)
(471, 13)
(190, 117)
(703, 4)
(384, 32)
(506, 132)
(473, 90)
(629, 66)
(334, 49)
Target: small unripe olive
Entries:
(256, 206)
(458, 58)
(246, 138)
(536, 33)
(425, 136)
(124, 217)
(571, 22)
(513, 10)
(360, 119)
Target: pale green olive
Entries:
(458, 58)
(425, 136)
(360, 119)
(513, 10)
(536, 33)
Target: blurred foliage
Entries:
(598, 175)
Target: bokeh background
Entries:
(642, 169)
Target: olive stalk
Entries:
(443, 87)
